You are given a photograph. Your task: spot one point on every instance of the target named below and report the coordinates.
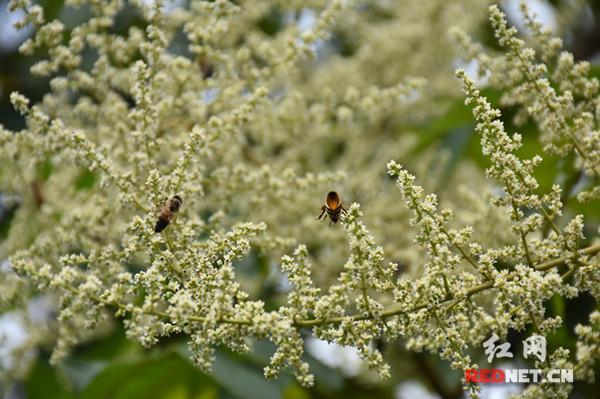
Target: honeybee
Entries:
(333, 206)
(168, 210)
(207, 68)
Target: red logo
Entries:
(494, 376)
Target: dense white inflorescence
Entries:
(252, 130)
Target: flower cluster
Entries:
(547, 86)
(251, 125)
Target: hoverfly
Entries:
(333, 206)
(168, 210)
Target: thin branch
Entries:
(393, 310)
(397, 310)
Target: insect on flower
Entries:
(333, 206)
(168, 210)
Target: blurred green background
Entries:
(112, 366)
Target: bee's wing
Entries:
(159, 208)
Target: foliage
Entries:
(251, 119)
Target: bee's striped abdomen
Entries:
(334, 214)
(161, 223)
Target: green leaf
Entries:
(560, 337)
(163, 377)
(85, 180)
(114, 347)
(52, 8)
(241, 381)
(595, 71)
(44, 381)
(80, 372)
(295, 391)
(272, 22)
(44, 169)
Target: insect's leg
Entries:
(322, 212)
(344, 210)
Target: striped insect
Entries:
(333, 206)
(168, 210)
